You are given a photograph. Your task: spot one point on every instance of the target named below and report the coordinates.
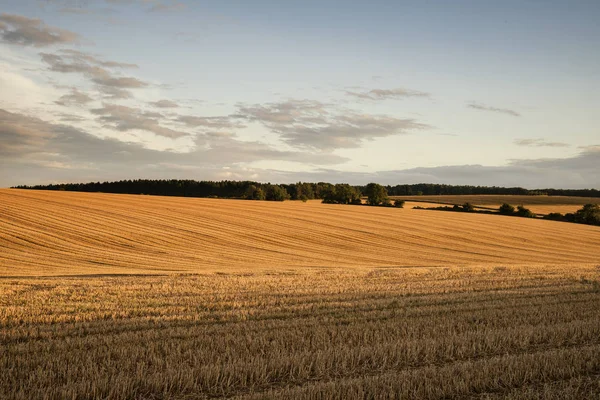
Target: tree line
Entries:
(330, 193)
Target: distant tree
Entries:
(341, 193)
(506, 209)
(254, 193)
(276, 193)
(376, 194)
(569, 217)
(554, 216)
(468, 207)
(303, 189)
(399, 203)
(304, 198)
(524, 212)
(346, 194)
(588, 214)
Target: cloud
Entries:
(384, 94)
(482, 107)
(95, 69)
(192, 121)
(539, 143)
(75, 97)
(36, 151)
(579, 171)
(124, 119)
(164, 104)
(315, 125)
(79, 56)
(20, 133)
(20, 30)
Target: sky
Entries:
(464, 92)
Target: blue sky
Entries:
(462, 92)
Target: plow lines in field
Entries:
(63, 233)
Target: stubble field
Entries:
(541, 205)
(116, 296)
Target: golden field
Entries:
(62, 233)
(538, 204)
(139, 297)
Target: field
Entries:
(117, 296)
(537, 204)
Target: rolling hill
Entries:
(66, 233)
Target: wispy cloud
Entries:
(164, 104)
(20, 30)
(384, 94)
(96, 70)
(483, 107)
(75, 97)
(315, 125)
(539, 143)
(124, 118)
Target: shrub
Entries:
(506, 209)
(554, 216)
(525, 212)
(399, 203)
(589, 214)
(468, 207)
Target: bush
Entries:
(506, 209)
(399, 203)
(555, 216)
(468, 207)
(589, 214)
(524, 212)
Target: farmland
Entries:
(123, 296)
(537, 204)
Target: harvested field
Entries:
(292, 300)
(413, 333)
(62, 233)
(537, 204)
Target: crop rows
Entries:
(383, 333)
(58, 233)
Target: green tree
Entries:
(254, 193)
(588, 214)
(468, 207)
(276, 193)
(399, 203)
(555, 216)
(346, 194)
(506, 209)
(376, 194)
(525, 212)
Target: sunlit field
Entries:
(118, 296)
(538, 204)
